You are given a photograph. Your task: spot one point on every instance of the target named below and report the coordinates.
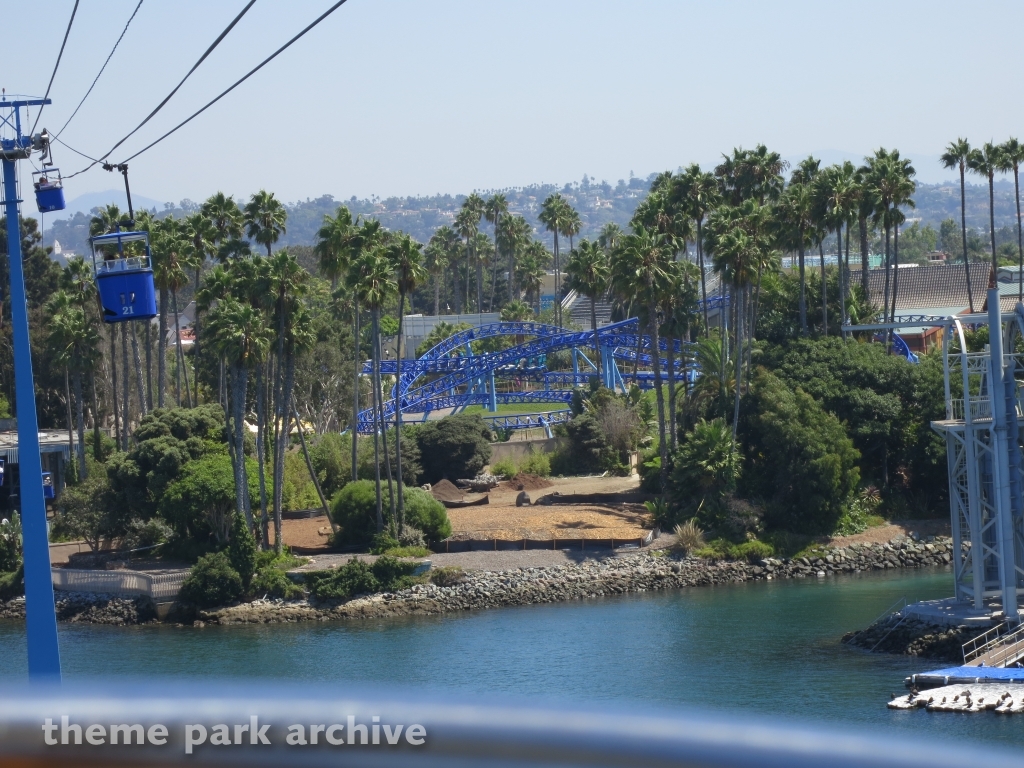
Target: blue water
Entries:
(762, 647)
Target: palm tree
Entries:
(588, 273)
(239, 332)
(609, 237)
(78, 282)
(436, 262)
(74, 340)
(203, 235)
(288, 284)
(225, 215)
(955, 156)
(553, 215)
(513, 234)
(372, 278)
(985, 162)
(796, 220)
(573, 225)
(1012, 155)
(169, 260)
(736, 257)
(406, 256)
(698, 193)
(533, 263)
(467, 224)
(639, 266)
(495, 209)
(265, 218)
(836, 194)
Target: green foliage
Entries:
(166, 440)
(382, 542)
(410, 551)
(798, 457)
(723, 549)
(454, 447)
(588, 450)
(507, 467)
(275, 583)
(211, 582)
(242, 549)
(689, 536)
(354, 509)
(705, 468)
(297, 489)
(82, 510)
(330, 455)
(148, 533)
(12, 584)
(201, 503)
(886, 404)
(536, 463)
(439, 333)
(412, 469)
(426, 513)
(649, 469)
(10, 543)
(357, 578)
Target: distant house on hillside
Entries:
(932, 290)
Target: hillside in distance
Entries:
(597, 203)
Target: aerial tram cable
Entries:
(123, 31)
(238, 82)
(160, 106)
(55, 66)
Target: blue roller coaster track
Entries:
(452, 377)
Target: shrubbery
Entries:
(454, 447)
(10, 543)
(354, 511)
(211, 582)
(356, 578)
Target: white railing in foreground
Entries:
(159, 586)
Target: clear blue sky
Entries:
(396, 97)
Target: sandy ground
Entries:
(884, 533)
(502, 519)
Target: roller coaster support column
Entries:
(1004, 470)
(492, 406)
(40, 616)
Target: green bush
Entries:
(705, 468)
(426, 513)
(12, 584)
(505, 467)
(275, 583)
(723, 549)
(392, 573)
(588, 451)
(409, 551)
(211, 582)
(799, 458)
(382, 542)
(354, 511)
(200, 504)
(83, 510)
(242, 549)
(536, 463)
(353, 578)
(454, 447)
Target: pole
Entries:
(40, 613)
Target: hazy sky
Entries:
(396, 97)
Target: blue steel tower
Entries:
(40, 616)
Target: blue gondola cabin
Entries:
(49, 190)
(124, 276)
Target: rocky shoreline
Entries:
(912, 637)
(640, 572)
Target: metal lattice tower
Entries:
(982, 433)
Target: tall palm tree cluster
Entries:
(368, 266)
(458, 255)
(730, 227)
(986, 161)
